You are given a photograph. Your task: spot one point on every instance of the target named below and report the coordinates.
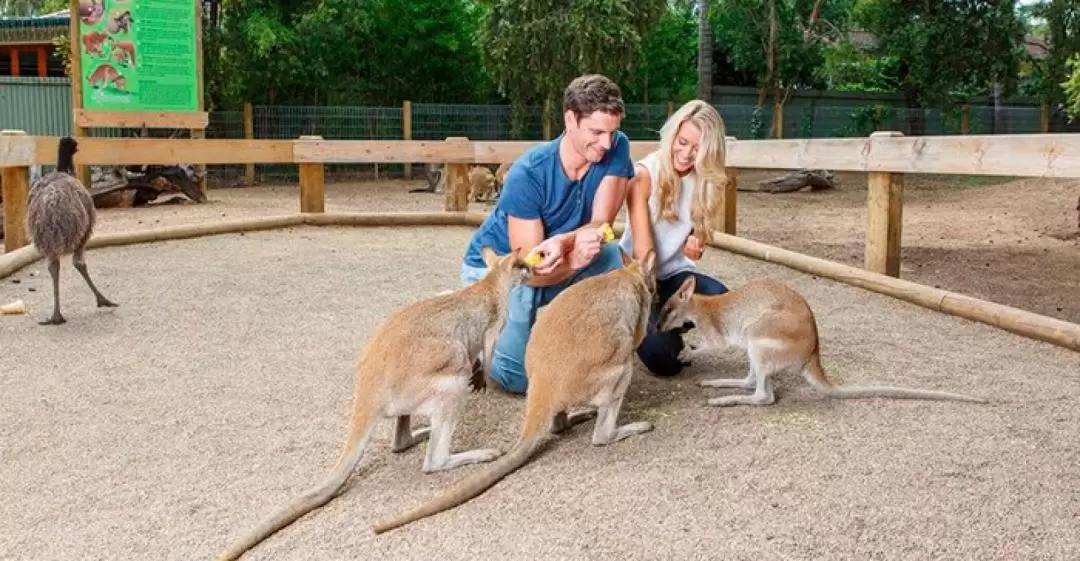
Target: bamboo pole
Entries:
(1020, 322)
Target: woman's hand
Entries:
(693, 248)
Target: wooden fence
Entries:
(884, 156)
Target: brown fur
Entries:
(92, 42)
(419, 362)
(481, 183)
(581, 351)
(60, 217)
(124, 51)
(775, 326)
(104, 74)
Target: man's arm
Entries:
(527, 234)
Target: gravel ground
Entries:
(221, 387)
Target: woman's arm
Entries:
(637, 206)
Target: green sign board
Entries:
(139, 55)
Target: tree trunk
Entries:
(705, 52)
(1001, 126)
(772, 51)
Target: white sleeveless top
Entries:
(669, 237)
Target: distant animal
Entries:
(581, 351)
(60, 218)
(419, 362)
(775, 326)
(106, 74)
(500, 174)
(433, 173)
(120, 22)
(482, 184)
(93, 42)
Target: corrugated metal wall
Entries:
(39, 106)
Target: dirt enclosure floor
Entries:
(221, 387)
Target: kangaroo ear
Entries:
(626, 258)
(687, 289)
(648, 263)
(490, 257)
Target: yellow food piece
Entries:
(609, 234)
(534, 259)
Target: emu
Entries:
(60, 218)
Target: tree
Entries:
(666, 67)
(938, 55)
(533, 48)
(705, 52)
(781, 41)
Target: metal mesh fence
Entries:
(43, 107)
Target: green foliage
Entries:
(936, 54)
(534, 48)
(1072, 87)
(666, 67)
(742, 27)
(332, 52)
(864, 120)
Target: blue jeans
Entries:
(508, 360)
(659, 351)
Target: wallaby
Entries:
(581, 350)
(419, 362)
(776, 328)
(481, 183)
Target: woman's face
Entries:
(684, 149)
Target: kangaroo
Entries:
(104, 74)
(93, 42)
(419, 361)
(775, 326)
(124, 52)
(581, 350)
(481, 182)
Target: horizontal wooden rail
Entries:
(1041, 155)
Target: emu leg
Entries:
(79, 260)
(54, 271)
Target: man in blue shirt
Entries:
(553, 201)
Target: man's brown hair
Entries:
(593, 92)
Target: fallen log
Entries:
(134, 186)
(816, 180)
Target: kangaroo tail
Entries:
(314, 497)
(470, 487)
(814, 374)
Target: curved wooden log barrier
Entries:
(24, 256)
(1021, 322)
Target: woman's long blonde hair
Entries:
(709, 165)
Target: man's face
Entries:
(592, 135)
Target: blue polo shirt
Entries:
(537, 187)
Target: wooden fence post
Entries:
(16, 186)
(249, 133)
(312, 183)
(884, 209)
(406, 130)
(456, 176)
(726, 215)
(965, 119)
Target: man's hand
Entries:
(587, 242)
(693, 248)
(552, 254)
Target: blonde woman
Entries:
(671, 199)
